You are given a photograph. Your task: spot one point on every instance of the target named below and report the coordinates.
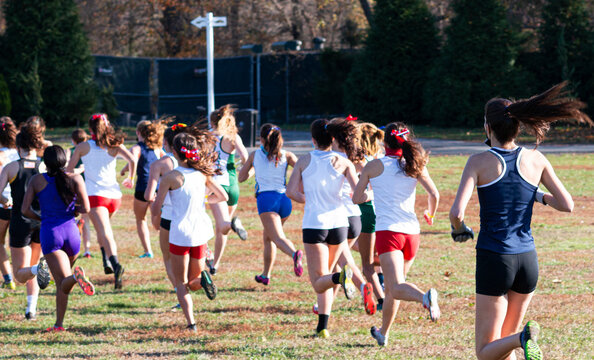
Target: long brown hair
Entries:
(223, 120)
(30, 134)
(535, 114)
(197, 151)
(370, 139)
(152, 132)
(415, 157)
(347, 134)
(8, 132)
(104, 133)
(272, 141)
(54, 158)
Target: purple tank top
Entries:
(52, 206)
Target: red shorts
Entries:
(112, 205)
(196, 252)
(387, 241)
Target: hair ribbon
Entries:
(400, 135)
(190, 154)
(178, 126)
(101, 117)
(351, 118)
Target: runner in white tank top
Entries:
(270, 163)
(393, 181)
(99, 158)
(190, 225)
(321, 174)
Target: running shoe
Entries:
(213, 271)
(146, 255)
(238, 228)
(314, 309)
(430, 303)
(107, 269)
(262, 279)
(87, 255)
(323, 334)
(380, 277)
(368, 301)
(192, 328)
(55, 329)
(30, 316)
(43, 274)
(209, 287)
(175, 307)
(9, 285)
(377, 335)
(298, 262)
(84, 283)
(379, 307)
(528, 339)
(347, 283)
(118, 277)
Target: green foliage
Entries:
(387, 80)
(45, 47)
(336, 66)
(476, 64)
(106, 102)
(567, 48)
(5, 104)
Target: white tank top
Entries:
(190, 224)
(100, 173)
(347, 192)
(166, 209)
(221, 164)
(322, 186)
(11, 155)
(394, 199)
(270, 176)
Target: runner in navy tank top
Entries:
(507, 178)
(58, 194)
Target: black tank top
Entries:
(18, 187)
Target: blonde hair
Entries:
(370, 139)
(223, 121)
(152, 132)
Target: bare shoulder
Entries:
(303, 162)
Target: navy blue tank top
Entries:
(506, 208)
(53, 209)
(147, 157)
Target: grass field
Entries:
(248, 320)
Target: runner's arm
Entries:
(29, 197)
(246, 170)
(83, 206)
(559, 198)
(135, 151)
(465, 190)
(296, 181)
(432, 192)
(218, 194)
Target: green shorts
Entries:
(367, 218)
(232, 189)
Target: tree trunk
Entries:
(367, 10)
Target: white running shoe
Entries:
(377, 335)
(430, 303)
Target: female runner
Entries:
(58, 194)
(270, 163)
(78, 136)
(191, 227)
(99, 158)
(394, 179)
(321, 174)
(507, 178)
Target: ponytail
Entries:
(152, 132)
(399, 142)
(536, 114)
(31, 133)
(8, 132)
(54, 158)
(197, 151)
(223, 121)
(346, 133)
(370, 139)
(104, 133)
(273, 141)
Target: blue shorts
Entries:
(272, 201)
(62, 236)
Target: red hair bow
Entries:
(101, 117)
(351, 118)
(400, 135)
(190, 154)
(178, 126)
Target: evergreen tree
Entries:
(567, 48)
(5, 104)
(387, 79)
(45, 45)
(476, 64)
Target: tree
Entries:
(5, 104)
(386, 83)
(45, 52)
(476, 64)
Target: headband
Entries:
(190, 154)
(178, 126)
(400, 135)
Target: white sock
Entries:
(34, 269)
(31, 304)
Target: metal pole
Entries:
(259, 88)
(210, 63)
(252, 62)
(287, 88)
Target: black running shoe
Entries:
(43, 275)
(192, 327)
(118, 276)
(30, 316)
(209, 287)
(238, 228)
(107, 269)
(213, 271)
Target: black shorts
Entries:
(165, 224)
(321, 236)
(496, 274)
(139, 195)
(4, 214)
(354, 227)
(21, 239)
